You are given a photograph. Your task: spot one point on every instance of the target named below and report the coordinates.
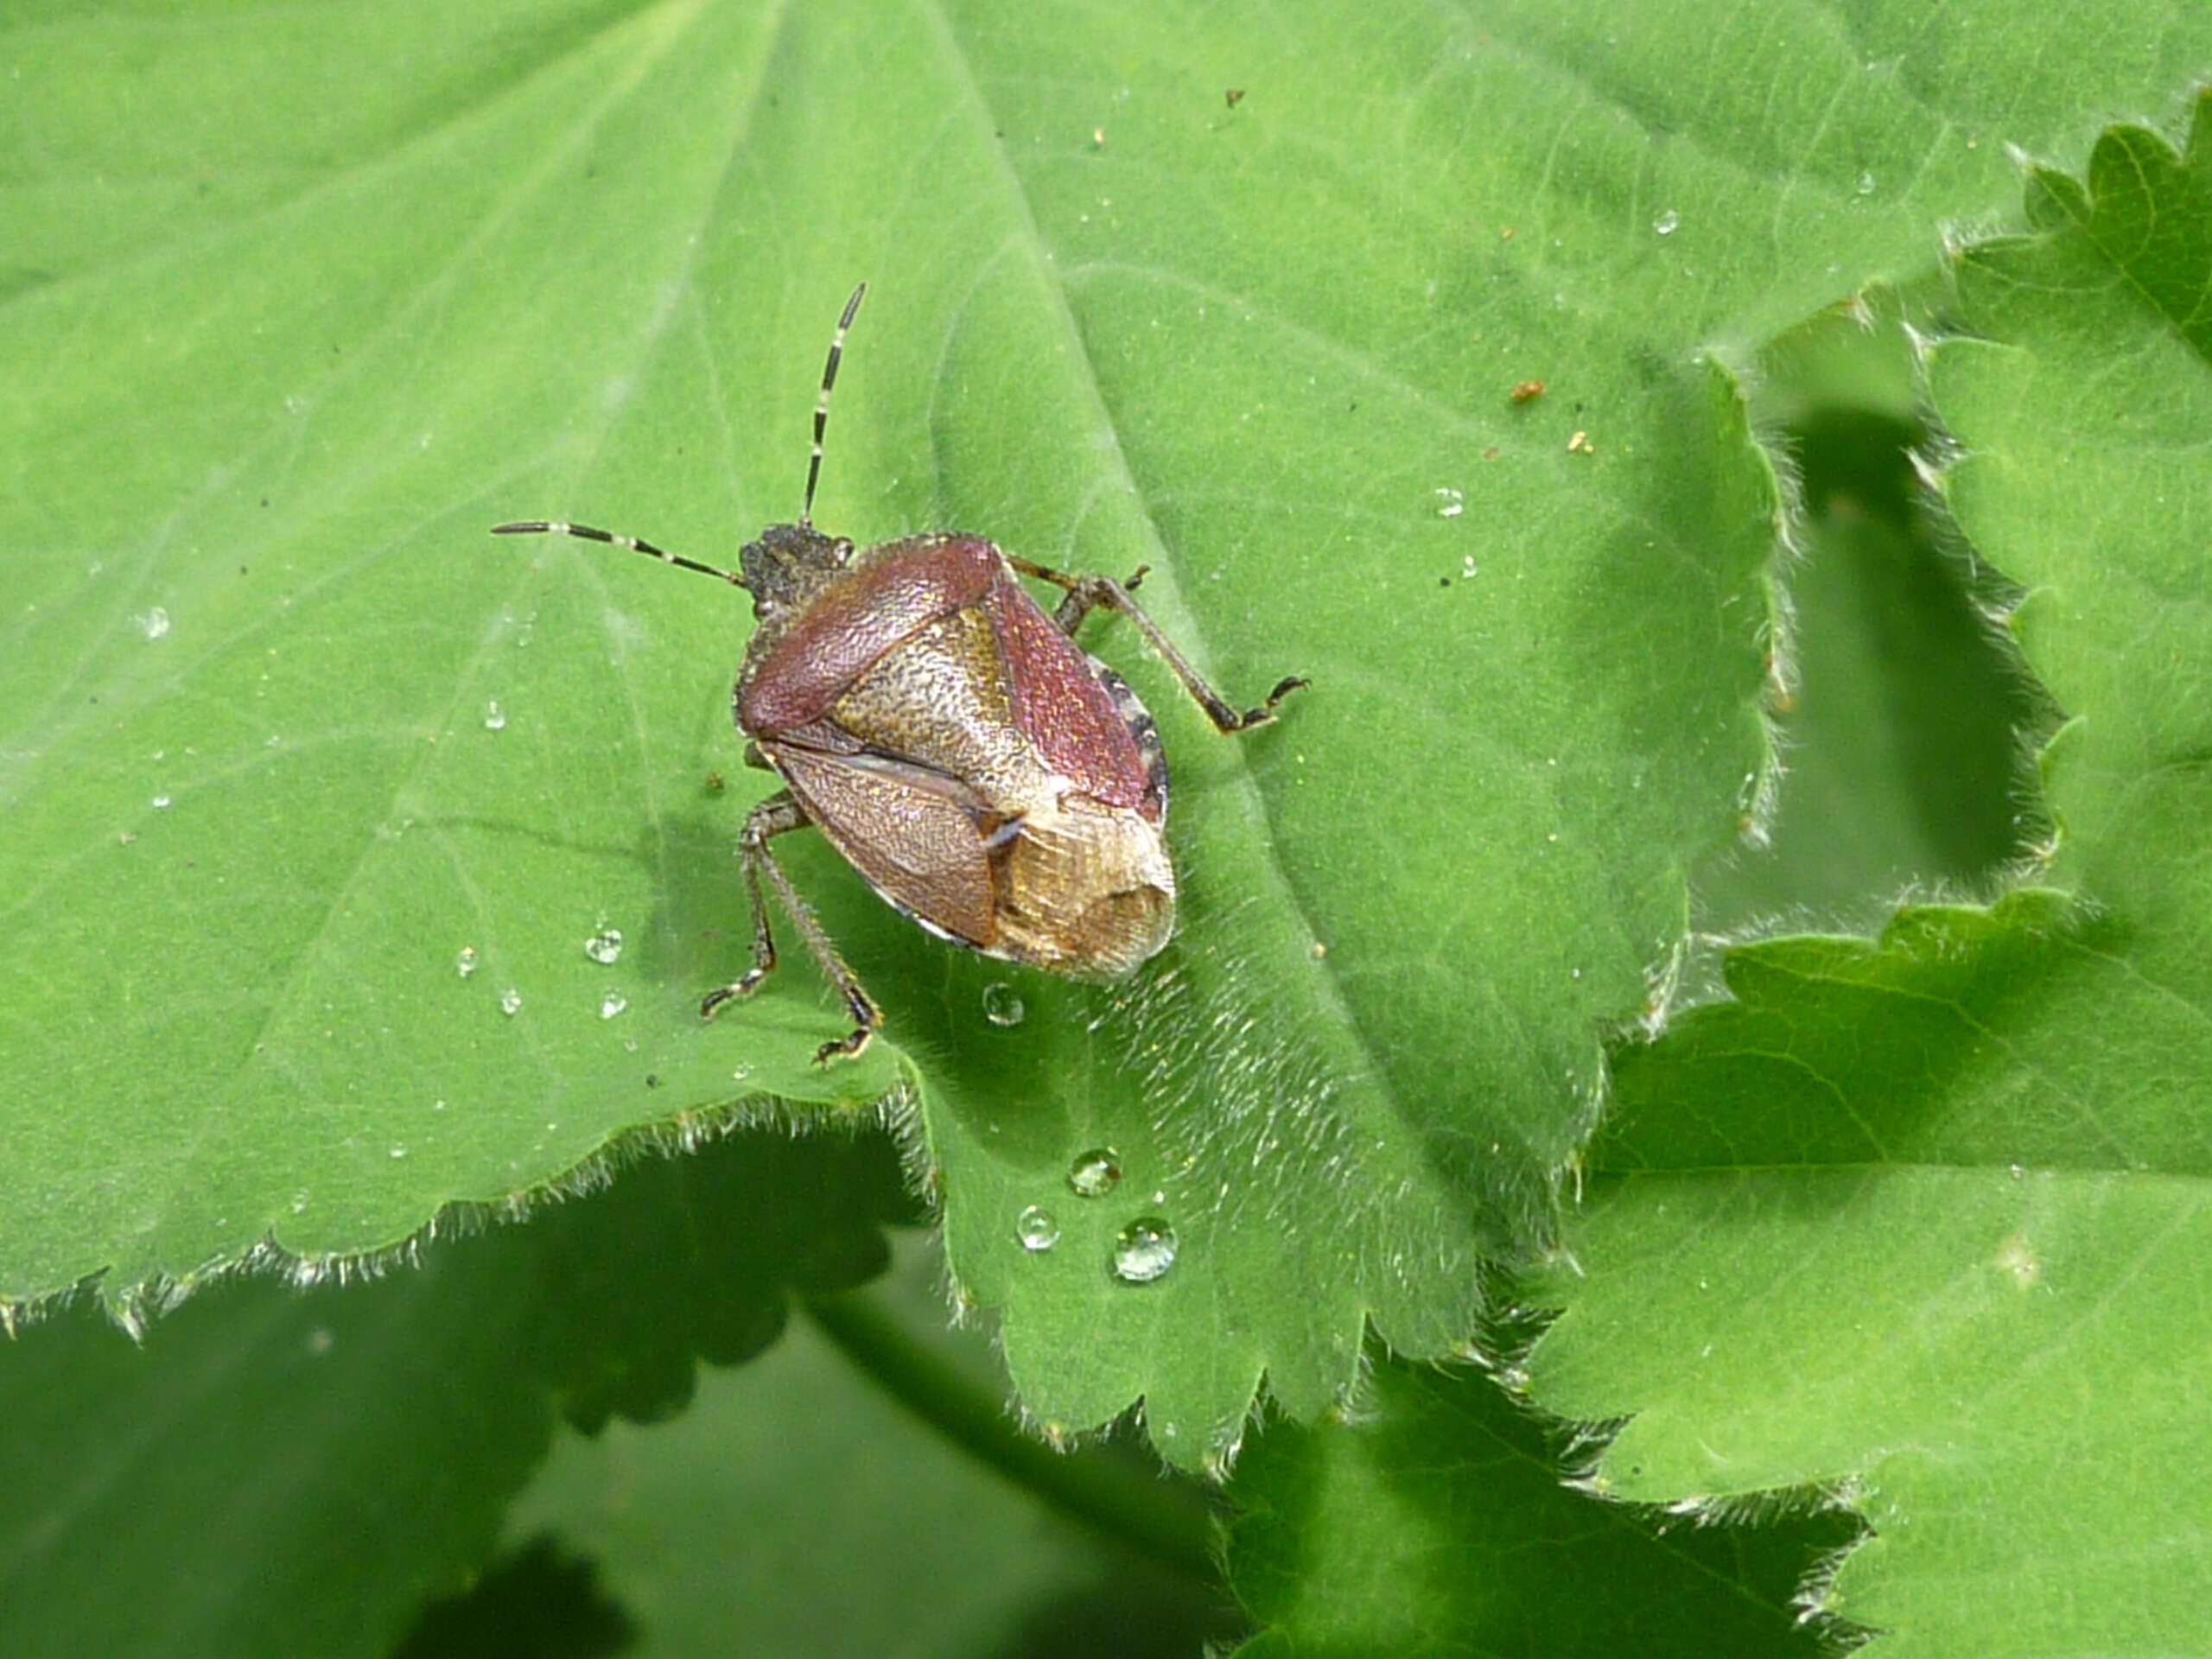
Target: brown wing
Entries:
(918, 835)
(795, 670)
(1062, 705)
(940, 700)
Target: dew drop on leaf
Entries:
(1143, 1250)
(605, 947)
(1001, 1004)
(1667, 223)
(511, 1001)
(495, 718)
(1095, 1173)
(611, 1004)
(1036, 1229)
(464, 962)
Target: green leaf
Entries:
(282, 1474)
(1924, 1217)
(333, 296)
(1434, 1523)
(2105, 317)
(791, 1481)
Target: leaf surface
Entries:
(1434, 1522)
(793, 1480)
(282, 733)
(1923, 1218)
(280, 1473)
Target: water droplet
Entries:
(511, 1001)
(161, 800)
(1143, 1250)
(1866, 184)
(464, 962)
(398, 1150)
(298, 1202)
(495, 718)
(605, 947)
(1036, 1229)
(739, 1073)
(611, 1004)
(154, 623)
(1002, 1004)
(1095, 1173)
(1667, 223)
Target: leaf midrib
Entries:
(1190, 637)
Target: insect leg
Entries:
(1080, 597)
(1085, 592)
(774, 816)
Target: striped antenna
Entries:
(555, 527)
(822, 405)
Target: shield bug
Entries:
(988, 777)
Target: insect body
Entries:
(988, 777)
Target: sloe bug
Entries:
(989, 779)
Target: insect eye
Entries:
(843, 552)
